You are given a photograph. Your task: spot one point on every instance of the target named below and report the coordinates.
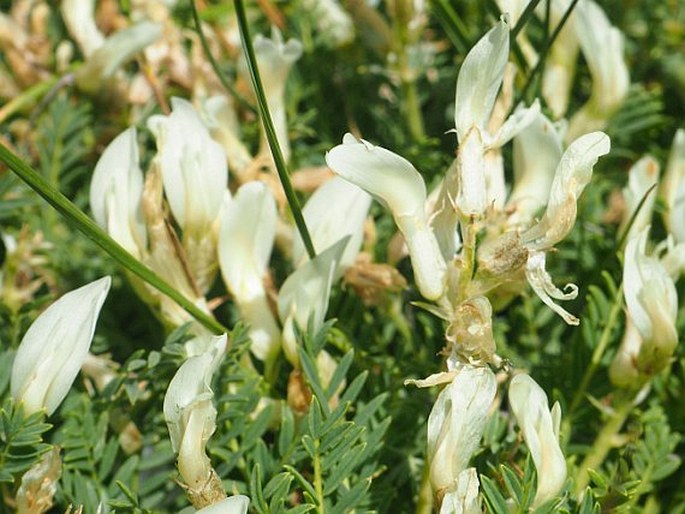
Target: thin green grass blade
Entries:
(92, 230)
(279, 161)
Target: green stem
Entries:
(91, 230)
(597, 355)
(215, 66)
(412, 109)
(605, 442)
(269, 129)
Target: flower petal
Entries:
(54, 347)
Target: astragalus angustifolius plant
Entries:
(470, 304)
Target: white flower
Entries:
(396, 183)
(190, 414)
(233, 505)
(456, 424)
(480, 78)
(462, 498)
(116, 191)
(602, 47)
(193, 165)
(560, 63)
(303, 298)
(220, 116)
(540, 428)
(246, 239)
(335, 210)
(537, 152)
(652, 302)
(79, 18)
(100, 67)
(643, 175)
(54, 347)
(673, 188)
(274, 59)
(334, 23)
(195, 177)
(623, 371)
(572, 175)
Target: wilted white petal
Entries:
(116, 51)
(79, 18)
(537, 152)
(462, 498)
(304, 295)
(542, 284)
(233, 505)
(116, 191)
(572, 175)
(246, 239)
(393, 180)
(480, 78)
(529, 403)
(336, 209)
(642, 177)
(54, 347)
(456, 423)
(673, 188)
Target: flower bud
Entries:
(191, 419)
(540, 428)
(54, 347)
(116, 191)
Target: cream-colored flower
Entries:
(79, 18)
(100, 67)
(54, 347)
(247, 235)
(336, 209)
(652, 302)
(303, 298)
(190, 414)
(232, 505)
(642, 177)
(275, 58)
(195, 177)
(116, 191)
(540, 428)
(602, 46)
(673, 188)
(456, 424)
(537, 152)
(462, 498)
(396, 183)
